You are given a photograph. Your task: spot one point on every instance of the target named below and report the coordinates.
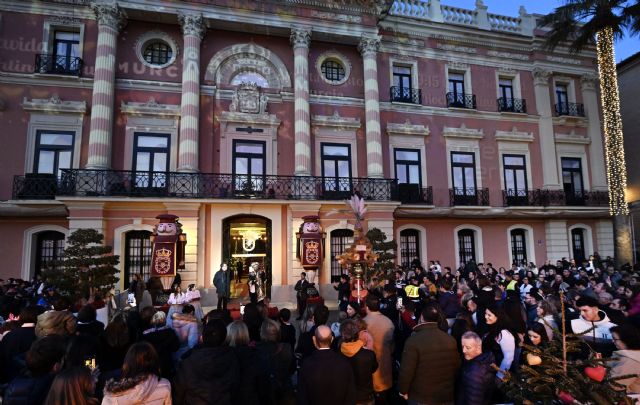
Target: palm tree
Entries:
(578, 23)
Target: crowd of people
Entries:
(418, 335)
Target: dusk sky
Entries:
(624, 49)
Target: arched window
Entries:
(519, 246)
(157, 53)
(578, 244)
(341, 239)
(49, 248)
(409, 246)
(137, 255)
(466, 245)
(250, 77)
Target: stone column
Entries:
(300, 39)
(368, 47)
(545, 129)
(193, 29)
(596, 150)
(110, 20)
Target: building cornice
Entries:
(335, 121)
(462, 132)
(407, 129)
(151, 107)
(514, 136)
(54, 105)
(572, 138)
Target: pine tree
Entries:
(551, 376)
(384, 249)
(86, 266)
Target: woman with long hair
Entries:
(177, 299)
(546, 312)
(238, 338)
(500, 339)
(73, 386)
(536, 335)
(140, 382)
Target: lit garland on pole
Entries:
(613, 136)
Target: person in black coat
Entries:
(476, 381)
(276, 365)
(211, 373)
(16, 343)
(164, 340)
(287, 330)
(301, 294)
(326, 377)
(344, 292)
(363, 361)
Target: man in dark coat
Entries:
(477, 378)
(301, 294)
(344, 292)
(211, 374)
(326, 377)
(223, 288)
(16, 343)
(430, 355)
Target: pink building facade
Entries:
(466, 138)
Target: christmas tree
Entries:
(86, 266)
(552, 375)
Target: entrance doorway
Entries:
(247, 240)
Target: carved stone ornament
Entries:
(54, 105)
(589, 81)
(247, 99)
(541, 76)
(369, 45)
(151, 107)
(192, 24)
(109, 14)
(456, 48)
(407, 129)
(507, 55)
(463, 132)
(300, 37)
(335, 121)
(514, 135)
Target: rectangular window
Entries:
(407, 162)
(249, 166)
(518, 247)
(515, 175)
(572, 180)
(54, 152)
(137, 256)
(506, 88)
(340, 240)
(402, 85)
(151, 160)
(409, 246)
(463, 176)
(456, 84)
(466, 245)
(562, 96)
(66, 53)
(336, 169)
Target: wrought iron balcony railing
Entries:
(469, 196)
(58, 64)
(515, 105)
(545, 198)
(461, 100)
(122, 183)
(570, 109)
(406, 95)
(414, 194)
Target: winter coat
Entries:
(600, 338)
(249, 375)
(28, 391)
(363, 363)
(166, 342)
(221, 281)
(430, 355)
(210, 375)
(186, 328)
(449, 304)
(476, 381)
(276, 365)
(381, 329)
(627, 362)
(141, 390)
(56, 323)
(15, 343)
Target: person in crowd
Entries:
(388, 303)
(193, 298)
(253, 284)
(140, 382)
(137, 288)
(276, 364)
(476, 381)
(305, 342)
(253, 319)
(301, 294)
(87, 323)
(546, 315)
(448, 301)
(114, 344)
(537, 335)
(500, 339)
(43, 361)
(429, 355)
(326, 377)
(164, 340)
(16, 343)
(627, 358)
(185, 325)
(381, 330)
(58, 321)
(363, 361)
(594, 319)
(344, 292)
(72, 386)
(176, 300)
(287, 330)
(222, 282)
(531, 301)
(211, 373)
(238, 339)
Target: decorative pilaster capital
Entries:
(109, 14)
(369, 45)
(588, 81)
(300, 37)
(192, 24)
(541, 76)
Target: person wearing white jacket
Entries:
(591, 317)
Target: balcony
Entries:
(514, 105)
(406, 95)
(570, 109)
(469, 196)
(461, 100)
(414, 194)
(546, 198)
(123, 183)
(58, 64)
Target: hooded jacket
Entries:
(142, 390)
(627, 362)
(477, 381)
(364, 364)
(600, 336)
